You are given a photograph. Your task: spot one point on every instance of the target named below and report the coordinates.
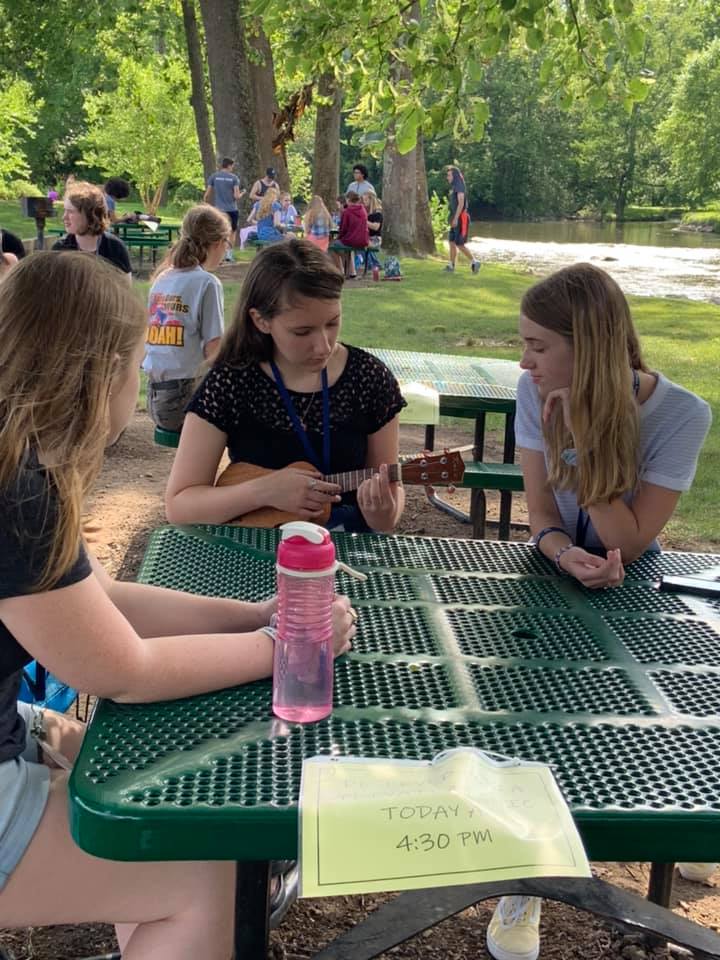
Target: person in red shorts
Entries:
(459, 220)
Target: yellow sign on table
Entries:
(372, 825)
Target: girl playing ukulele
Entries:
(283, 390)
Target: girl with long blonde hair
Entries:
(63, 397)
(185, 313)
(316, 223)
(269, 217)
(607, 446)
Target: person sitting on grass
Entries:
(607, 446)
(86, 221)
(317, 223)
(129, 642)
(353, 235)
(283, 389)
(185, 313)
(268, 216)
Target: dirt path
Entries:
(127, 506)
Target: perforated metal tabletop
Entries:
(459, 643)
(473, 382)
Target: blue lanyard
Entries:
(300, 431)
(581, 528)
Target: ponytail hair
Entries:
(202, 227)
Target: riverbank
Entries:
(703, 221)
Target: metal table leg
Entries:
(661, 883)
(411, 913)
(506, 495)
(252, 909)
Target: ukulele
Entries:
(441, 469)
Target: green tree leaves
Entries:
(145, 128)
(691, 131)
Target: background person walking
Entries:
(459, 220)
(223, 191)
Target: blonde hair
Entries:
(89, 200)
(266, 201)
(586, 306)
(202, 226)
(316, 210)
(373, 202)
(54, 399)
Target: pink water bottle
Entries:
(303, 662)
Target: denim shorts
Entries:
(24, 787)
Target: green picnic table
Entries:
(469, 387)
(460, 643)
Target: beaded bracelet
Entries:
(271, 632)
(560, 552)
(544, 533)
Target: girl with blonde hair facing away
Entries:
(284, 390)
(185, 313)
(125, 641)
(269, 217)
(86, 222)
(317, 223)
(607, 446)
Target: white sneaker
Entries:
(514, 930)
(697, 871)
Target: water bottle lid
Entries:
(305, 546)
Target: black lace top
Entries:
(246, 405)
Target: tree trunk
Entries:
(627, 177)
(197, 80)
(399, 198)
(262, 80)
(326, 162)
(232, 94)
(424, 236)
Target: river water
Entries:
(647, 259)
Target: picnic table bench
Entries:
(460, 643)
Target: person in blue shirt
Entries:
(269, 218)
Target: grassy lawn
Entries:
(12, 219)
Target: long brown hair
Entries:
(316, 210)
(202, 226)
(278, 275)
(586, 306)
(69, 323)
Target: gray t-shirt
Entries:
(361, 188)
(223, 183)
(673, 427)
(185, 311)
